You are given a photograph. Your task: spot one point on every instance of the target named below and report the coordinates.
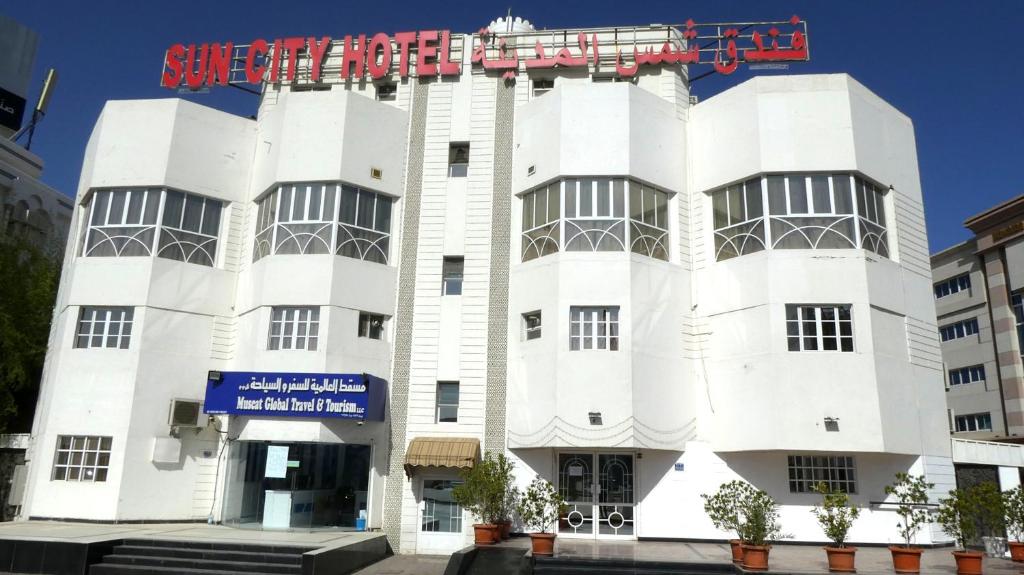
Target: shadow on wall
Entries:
(769, 471)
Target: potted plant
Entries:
(1013, 505)
(910, 493)
(509, 494)
(836, 516)
(481, 493)
(990, 517)
(759, 526)
(960, 516)
(723, 510)
(539, 507)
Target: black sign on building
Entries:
(12, 107)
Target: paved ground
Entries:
(787, 558)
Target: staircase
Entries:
(165, 557)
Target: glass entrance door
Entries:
(599, 495)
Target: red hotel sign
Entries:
(724, 46)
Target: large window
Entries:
(81, 458)
(836, 471)
(294, 328)
(815, 211)
(819, 328)
(594, 328)
(966, 375)
(104, 327)
(959, 329)
(319, 218)
(440, 512)
(447, 402)
(124, 223)
(590, 215)
(952, 285)
(974, 422)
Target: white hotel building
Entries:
(636, 296)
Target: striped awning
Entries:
(455, 452)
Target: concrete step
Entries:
(209, 554)
(200, 563)
(111, 569)
(219, 545)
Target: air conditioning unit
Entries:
(185, 413)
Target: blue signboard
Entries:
(344, 395)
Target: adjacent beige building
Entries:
(979, 285)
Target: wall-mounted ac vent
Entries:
(185, 413)
(531, 170)
(376, 173)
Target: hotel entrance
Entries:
(297, 485)
(599, 495)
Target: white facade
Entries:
(701, 386)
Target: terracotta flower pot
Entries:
(841, 559)
(968, 562)
(504, 529)
(543, 543)
(755, 557)
(1016, 551)
(484, 533)
(906, 559)
(737, 550)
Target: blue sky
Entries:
(953, 67)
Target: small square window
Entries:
(542, 86)
(531, 325)
(458, 160)
(447, 402)
(387, 92)
(451, 276)
(371, 325)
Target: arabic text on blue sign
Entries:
(342, 395)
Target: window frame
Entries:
(291, 320)
(125, 323)
(972, 418)
(452, 483)
(98, 472)
(458, 169)
(953, 285)
(959, 329)
(784, 206)
(452, 281)
(142, 229)
(820, 338)
(368, 324)
(609, 340)
(438, 405)
(967, 375)
(531, 333)
(799, 465)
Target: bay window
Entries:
(590, 215)
(804, 211)
(323, 218)
(124, 223)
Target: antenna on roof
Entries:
(40, 110)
